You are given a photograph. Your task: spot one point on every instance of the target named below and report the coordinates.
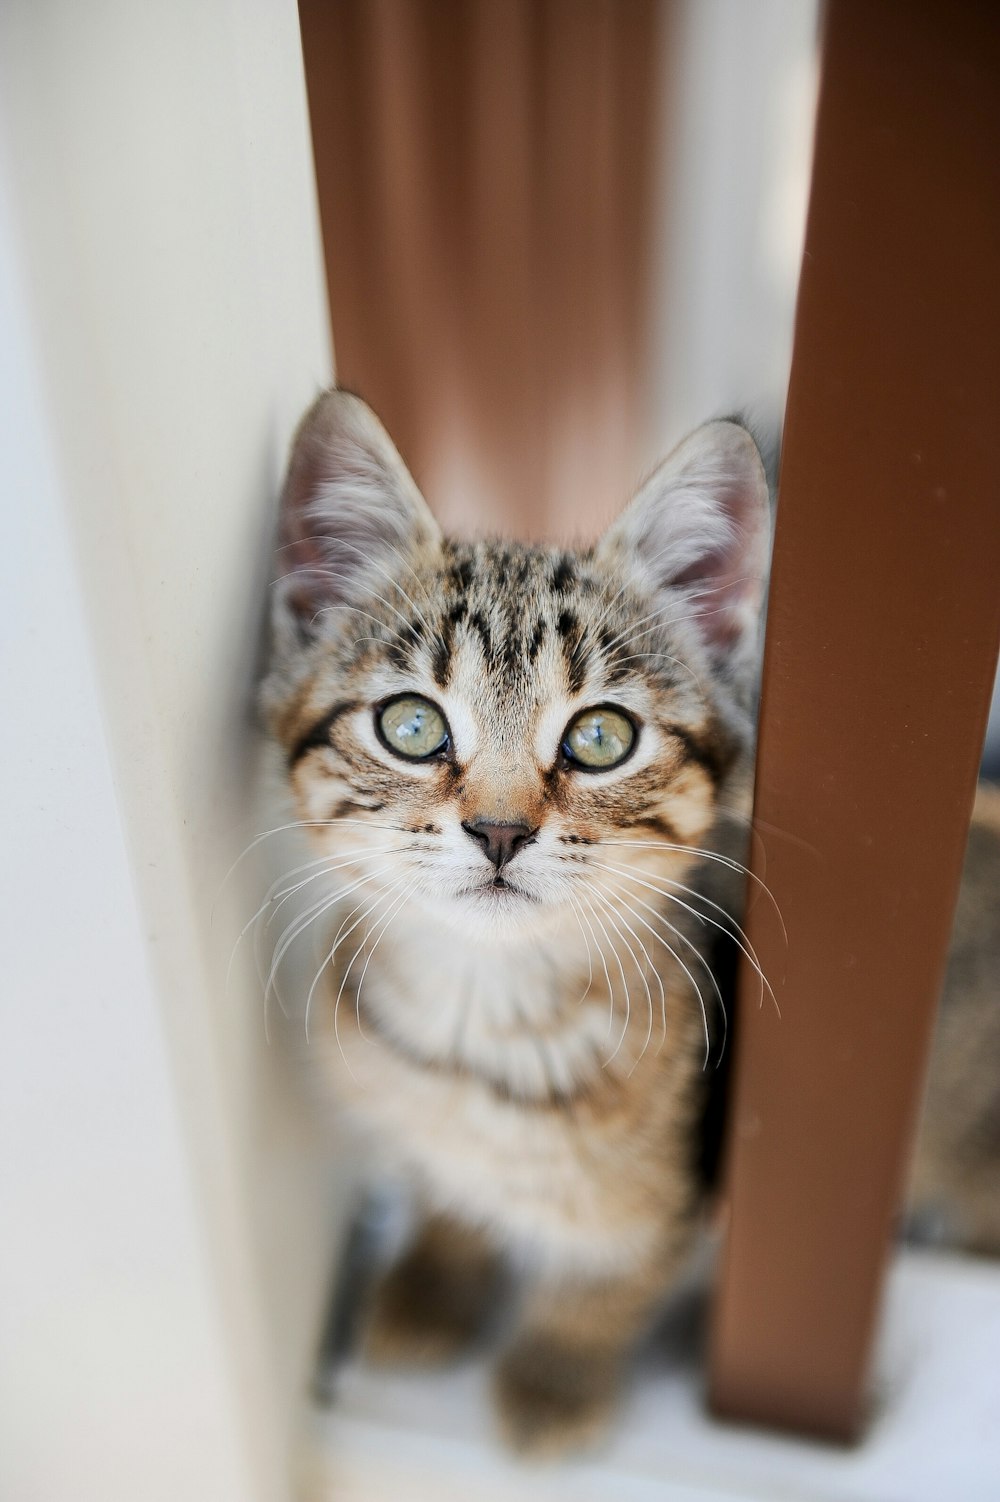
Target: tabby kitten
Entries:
(519, 765)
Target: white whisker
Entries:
(644, 656)
(621, 970)
(273, 894)
(629, 899)
(393, 580)
(590, 958)
(323, 571)
(733, 930)
(616, 918)
(302, 921)
(267, 834)
(342, 542)
(350, 964)
(378, 900)
(710, 855)
(604, 966)
(384, 925)
(354, 609)
(629, 629)
(349, 859)
(297, 926)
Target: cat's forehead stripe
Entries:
(510, 600)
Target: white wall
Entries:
(171, 1197)
(739, 105)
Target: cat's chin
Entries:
(495, 911)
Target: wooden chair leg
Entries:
(883, 631)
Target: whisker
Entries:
(730, 927)
(617, 917)
(629, 629)
(298, 926)
(755, 823)
(631, 632)
(350, 964)
(341, 891)
(733, 926)
(393, 631)
(267, 834)
(644, 656)
(393, 580)
(682, 936)
(350, 859)
(385, 923)
(302, 921)
(663, 998)
(379, 899)
(631, 584)
(734, 930)
(323, 571)
(271, 896)
(604, 966)
(590, 958)
(754, 836)
(711, 855)
(629, 899)
(621, 971)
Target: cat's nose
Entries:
(499, 841)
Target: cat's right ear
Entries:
(351, 517)
(698, 534)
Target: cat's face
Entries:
(492, 732)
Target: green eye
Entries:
(599, 739)
(412, 727)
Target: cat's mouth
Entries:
(498, 889)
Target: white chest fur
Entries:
(498, 1076)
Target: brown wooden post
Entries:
(882, 642)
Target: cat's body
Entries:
(526, 769)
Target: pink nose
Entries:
(500, 842)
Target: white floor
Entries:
(934, 1435)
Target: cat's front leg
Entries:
(558, 1383)
(435, 1300)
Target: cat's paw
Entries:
(426, 1314)
(554, 1400)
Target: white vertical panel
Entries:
(114, 1373)
(157, 176)
(739, 104)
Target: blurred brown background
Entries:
(485, 178)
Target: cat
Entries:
(526, 770)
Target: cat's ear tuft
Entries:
(700, 528)
(351, 517)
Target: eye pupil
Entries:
(412, 727)
(599, 739)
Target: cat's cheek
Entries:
(325, 795)
(316, 792)
(690, 803)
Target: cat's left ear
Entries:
(700, 527)
(351, 518)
